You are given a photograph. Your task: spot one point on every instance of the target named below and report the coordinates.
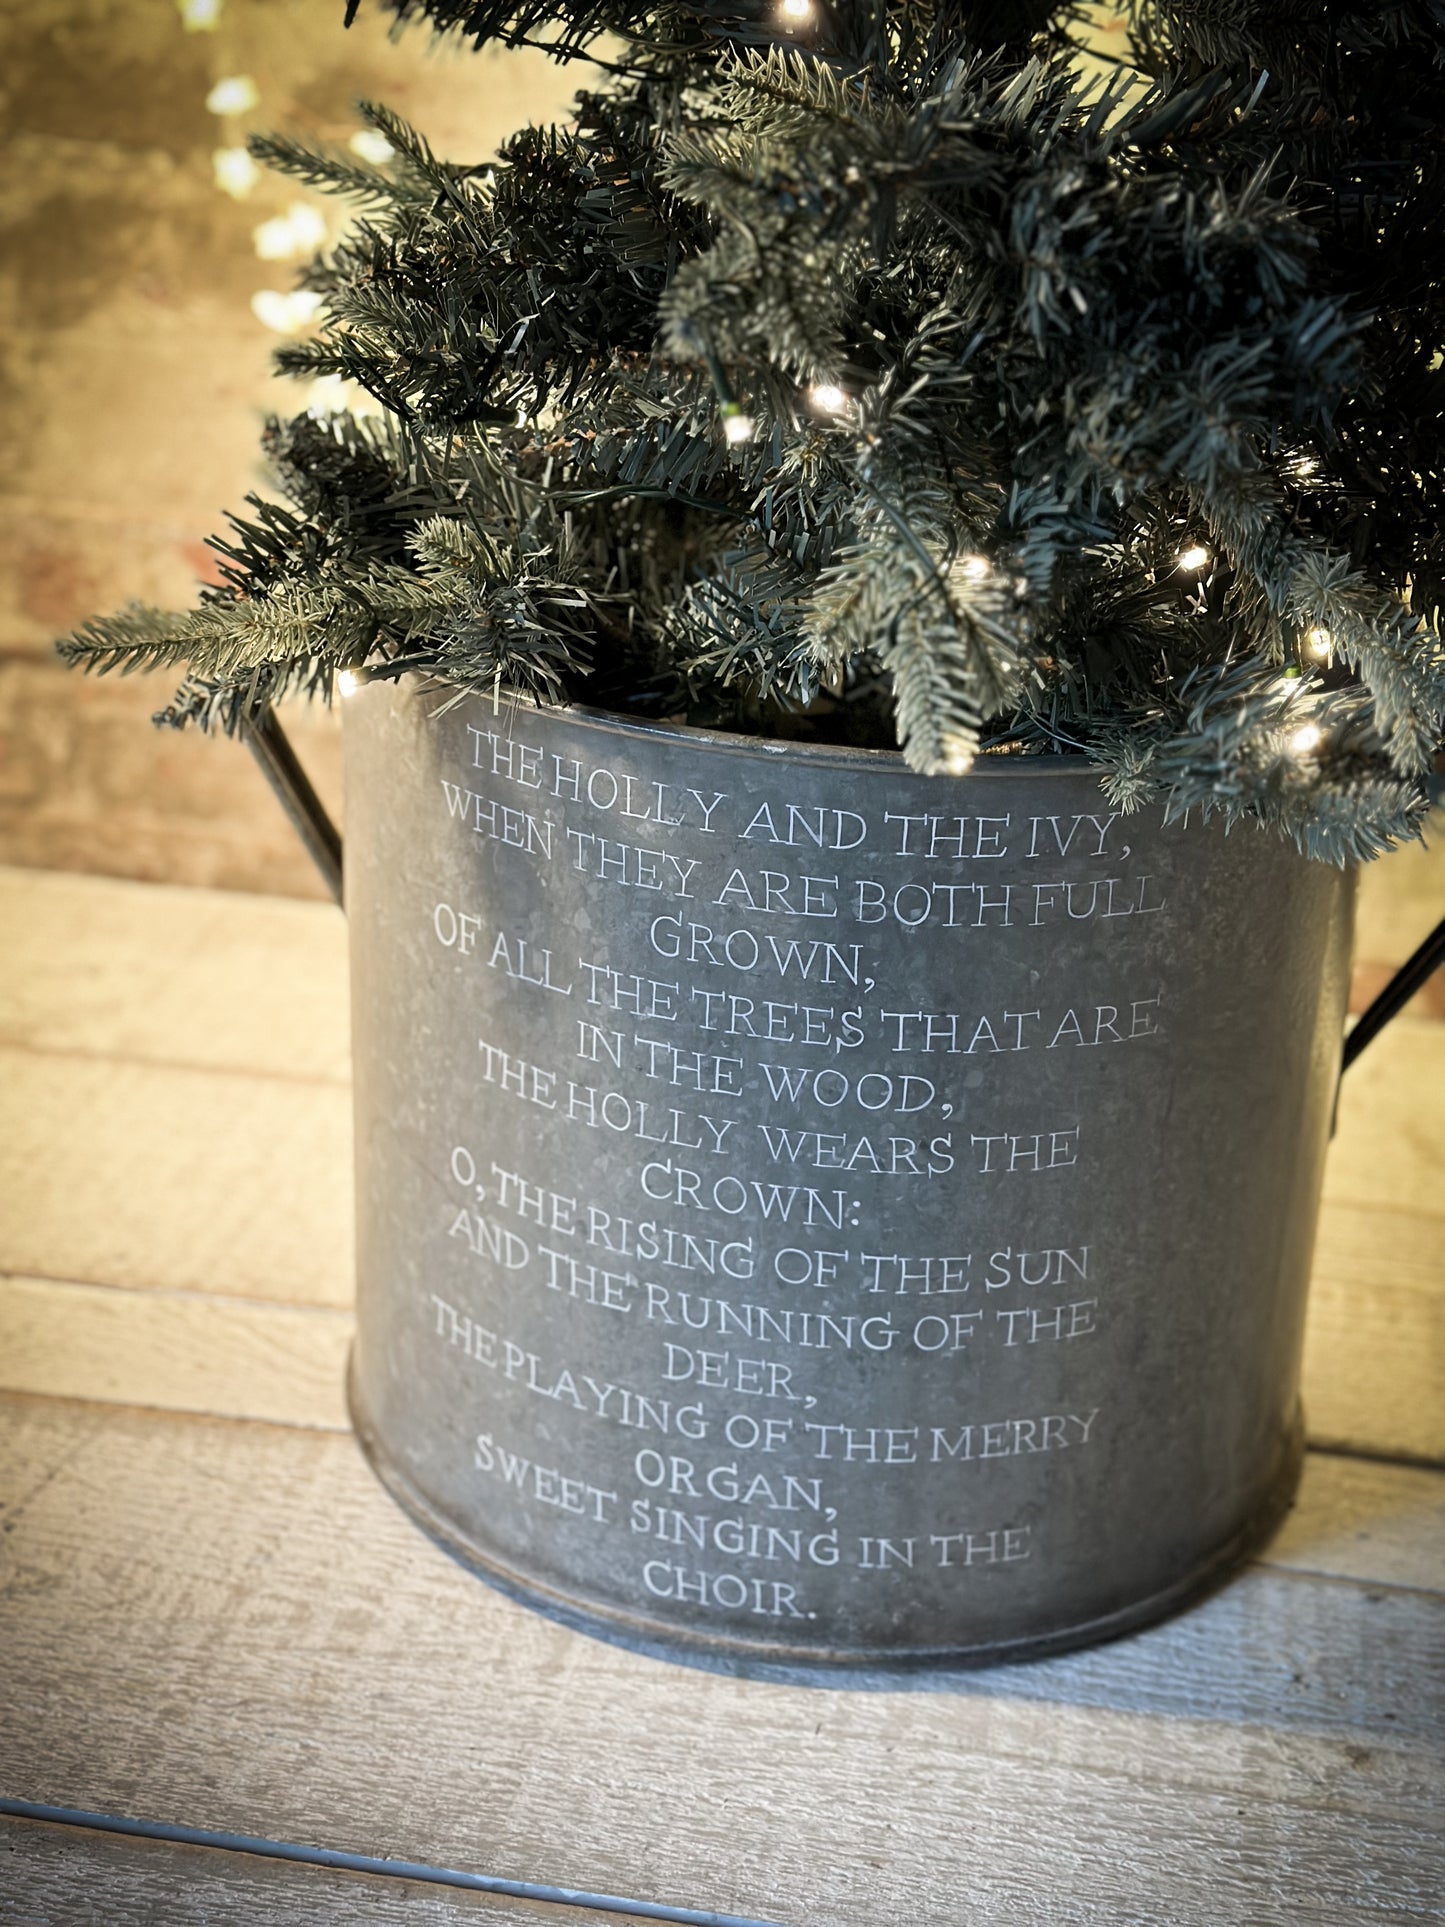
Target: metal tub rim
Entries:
(772, 748)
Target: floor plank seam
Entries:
(339, 1861)
(1377, 1207)
(319, 1429)
(1348, 1449)
(192, 1294)
(1318, 1576)
(145, 1060)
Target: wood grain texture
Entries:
(175, 1351)
(201, 978)
(64, 1876)
(1386, 1150)
(1359, 1519)
(1374, 1365)
(254, 1358)
(1402, 898)
(1374, 1360)
(300, 1663)
(125, 1173)
(230, 1625)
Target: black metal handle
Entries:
(291, 786)
(1418, 968)
(267, 742)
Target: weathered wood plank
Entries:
(1361, 1244)
(1374, 1360)
(192, 1180)
(175, 1351)
(1386, 1150)
(298, 1662)
(1374, 1371)
(1360, 1519)
(1401, 898)
(1374, 1368)
(65, 1876)
(204, 978)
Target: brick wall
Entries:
(134, 375)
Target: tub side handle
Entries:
(1412, 974)
(291, 786)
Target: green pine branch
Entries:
(875, 376)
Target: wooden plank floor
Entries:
(212, 1618)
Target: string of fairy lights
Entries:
(828, 398)
(1299, 742)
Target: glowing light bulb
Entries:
(371, 145)
(958, 756)
(828, 398)
(300, 230)
(1319, 642)
(347, 682)
(1196, 556)
(738, 427)
(796, 11)
(234, 171)
(973, 567)
(1306, 738)
(287, 314)
(327, 396)
(1304, 466)
(235, 94)
(199, 16)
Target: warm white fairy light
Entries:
(372, 145)
(347, 682)
(327, 396)
(827, 397)
(738, 427)
(234, 171)
(287, 314)
(300, 230)
(1319, 642)
(796, 10)
(199, 16)
(958, 756)
(1195, 557)
(233, 94)
(1303, 466)
(973, 568)
(1305, 739)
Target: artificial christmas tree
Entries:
(850, 369)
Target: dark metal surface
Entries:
(290, 785)
(1416, 971)
(812, 1215)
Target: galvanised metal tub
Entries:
(814, 1216)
